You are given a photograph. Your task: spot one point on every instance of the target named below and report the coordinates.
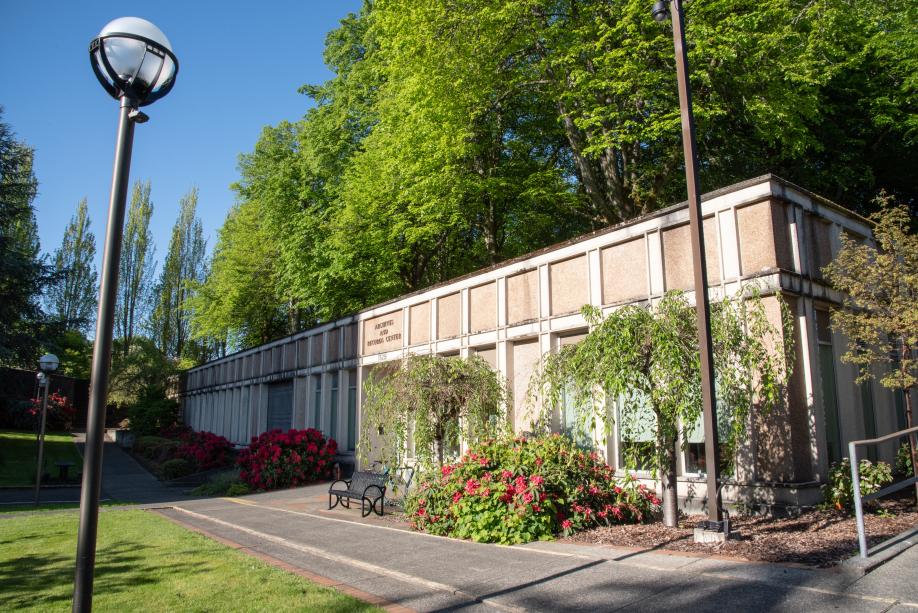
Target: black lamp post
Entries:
(133, 61)
(47, 364)
(661, 10)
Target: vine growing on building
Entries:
(641, 366)
(425, 405)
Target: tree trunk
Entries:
(668, 480)
(912, 439)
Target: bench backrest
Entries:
(362, 480)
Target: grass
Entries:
(56, 506)
(18, 454)
(145, 562)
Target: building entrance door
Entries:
(280, 405)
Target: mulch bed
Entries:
(820, 538)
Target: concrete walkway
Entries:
(428, 573)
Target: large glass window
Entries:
(333, 406)
(828, 386)
(574, 422)
(637, 426)
(352, 410)
(317, 402)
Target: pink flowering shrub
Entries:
(205, 450)
(278, 459)
(520, 490)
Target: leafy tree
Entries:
(879, 311)
(429, 402)
(139, 371)
(23, 274)
(238, 301)
(72, 298)
(75, 353)
(183, 268)
(135, 275)
(646, 361)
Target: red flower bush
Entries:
(278, 459)
(206, 449)
(60, 412)
(521, 490)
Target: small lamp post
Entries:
(715, 523)
(47, 365)
(133, 61)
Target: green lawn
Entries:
(18, 454)
(145, 562)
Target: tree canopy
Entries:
(453, 138)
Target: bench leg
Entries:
(337, 500)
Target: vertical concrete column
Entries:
(300, 401)
(544, 292)
(594, 274)
(656, 279)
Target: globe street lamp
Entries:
(133, 61)
(715, 523)
(47, 365)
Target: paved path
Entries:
(123, 480)
(429, 573)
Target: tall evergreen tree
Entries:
(135, 278)
(72, 298)
(22, 273)
(183, 269)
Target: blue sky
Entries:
(240, 64)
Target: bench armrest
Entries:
(346, 482)
(381, 488)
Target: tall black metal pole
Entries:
(98, 386)
(40, 464)
(702, 304)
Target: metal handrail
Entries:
(856, 483)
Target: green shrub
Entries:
(225, 483)
(519, 490)
(839, 493)
(175, 468)
(904, 461)
(143, 444)
(238, 488)
(148, 415)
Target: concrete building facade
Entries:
(764, 231)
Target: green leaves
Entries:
(644, 362)
(423, 406)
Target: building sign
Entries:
(383, 333)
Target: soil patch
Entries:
(819, 538)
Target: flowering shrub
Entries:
(60, 412)
(519, 490)
(278, 459)
(205, 449)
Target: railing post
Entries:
(858, 506)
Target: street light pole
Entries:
(44, 381)
(134, 63)
(98, 388)
(702, 303)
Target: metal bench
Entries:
(366, 487)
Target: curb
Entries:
(886, 551)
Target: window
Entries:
(637, 426)
(317, 402)
(828, 386)
(333, 405)
(573, 422)
(352, 410)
